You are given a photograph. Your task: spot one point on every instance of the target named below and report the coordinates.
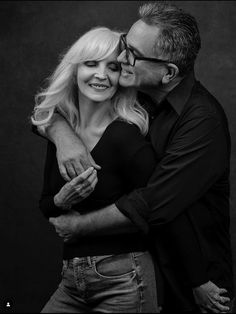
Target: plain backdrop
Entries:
(32, 36)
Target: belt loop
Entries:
(89, 261)
(65, 263)
(75, 261)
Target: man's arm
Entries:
(194, 160)
(106, 221)
(72, 155)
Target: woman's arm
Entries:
(54, 203)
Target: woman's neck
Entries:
(93, 114)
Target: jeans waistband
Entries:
(89, 260)
(78, 260)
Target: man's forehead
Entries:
(143, 37)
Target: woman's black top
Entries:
(127, 161)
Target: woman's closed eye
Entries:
(114, 66)
(91, 63)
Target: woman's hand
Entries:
(77, 189)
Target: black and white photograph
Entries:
(118, 156)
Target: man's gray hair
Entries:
(179, 40)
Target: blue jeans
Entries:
(123, 283)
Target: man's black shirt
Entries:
(189, 189)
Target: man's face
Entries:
(145, 75)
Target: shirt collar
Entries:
(181, 93)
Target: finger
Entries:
(89, 162)
(52, 220)
(61, 235)
(93, 163)
(83, 176)
(89, 188)
(91, 178)
(94, 183)
(222, 290)
(79, 169)
(221, 299)
(70, 171)
(216, 306)
(214, 310)
(63, 173)
(89, 182)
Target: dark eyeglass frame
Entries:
(129, 51)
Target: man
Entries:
(185, 206)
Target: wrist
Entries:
(201, 285)
(60, 204)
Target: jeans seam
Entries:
(139, 281)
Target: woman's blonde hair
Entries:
(62, 93)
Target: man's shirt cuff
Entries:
(136, 209)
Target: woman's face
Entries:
(98, 80)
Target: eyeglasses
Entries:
(131, 56)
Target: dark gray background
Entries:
(32, 35)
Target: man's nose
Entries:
(122, 57)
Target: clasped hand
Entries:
(77, 189)
(67, 226)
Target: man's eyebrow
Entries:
(134, 49)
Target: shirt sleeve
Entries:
(46, 202)
(193, 161)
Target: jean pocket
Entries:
(115, 266)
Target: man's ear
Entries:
(171, 73)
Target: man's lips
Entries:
(125, 72)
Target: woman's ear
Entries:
(172, 73)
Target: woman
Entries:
(107, 273)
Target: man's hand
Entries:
(208, 297)
(73, 156)
(77, 189)
(67, 226)
(102, 222)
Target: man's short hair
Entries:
(179, 40)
